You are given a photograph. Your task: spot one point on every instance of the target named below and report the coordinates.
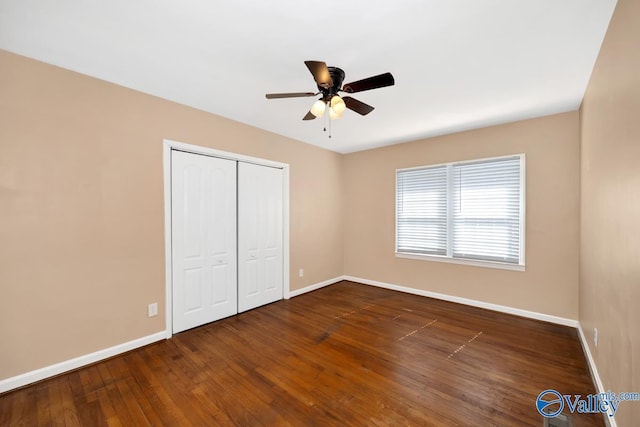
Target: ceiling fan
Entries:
(329, 82)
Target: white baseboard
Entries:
(315, 286)
(466, 301)
(594, 372)
(78, 362)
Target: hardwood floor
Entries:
(347, 354)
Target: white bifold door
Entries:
(260, 266)
(226, 231)
(203, 216)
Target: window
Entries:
(470, 212)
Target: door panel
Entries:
(221, 293)
(271, 272)
(260, 269)
(251, 277)
(203, 214)
(192, 290)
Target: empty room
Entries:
(420, 213)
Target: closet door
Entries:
(260, 269)
(203, 215)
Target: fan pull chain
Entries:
(327, 118)
(329, 121)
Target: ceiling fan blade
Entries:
(309, 116)
(374, 82)
(320, 73)
(289, 95)
(357, 106)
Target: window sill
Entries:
(475, 263)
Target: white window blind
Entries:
(468, 210)
(422, 211)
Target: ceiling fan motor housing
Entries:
(337, 76)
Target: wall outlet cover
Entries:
(152, 309)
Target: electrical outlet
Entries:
(595, 336)
(153, 309)
(301, 272)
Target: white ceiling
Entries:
(458, 64)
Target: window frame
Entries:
(449, 258)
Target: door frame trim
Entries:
(169, 145)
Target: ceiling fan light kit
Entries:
(329, 82)
(318, 107)
(336, 107)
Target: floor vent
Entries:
(560, 420)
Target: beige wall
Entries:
(81, 209)
(550, 283)
(610, 198)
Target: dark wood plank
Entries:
(347, 354)
(43, 403)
